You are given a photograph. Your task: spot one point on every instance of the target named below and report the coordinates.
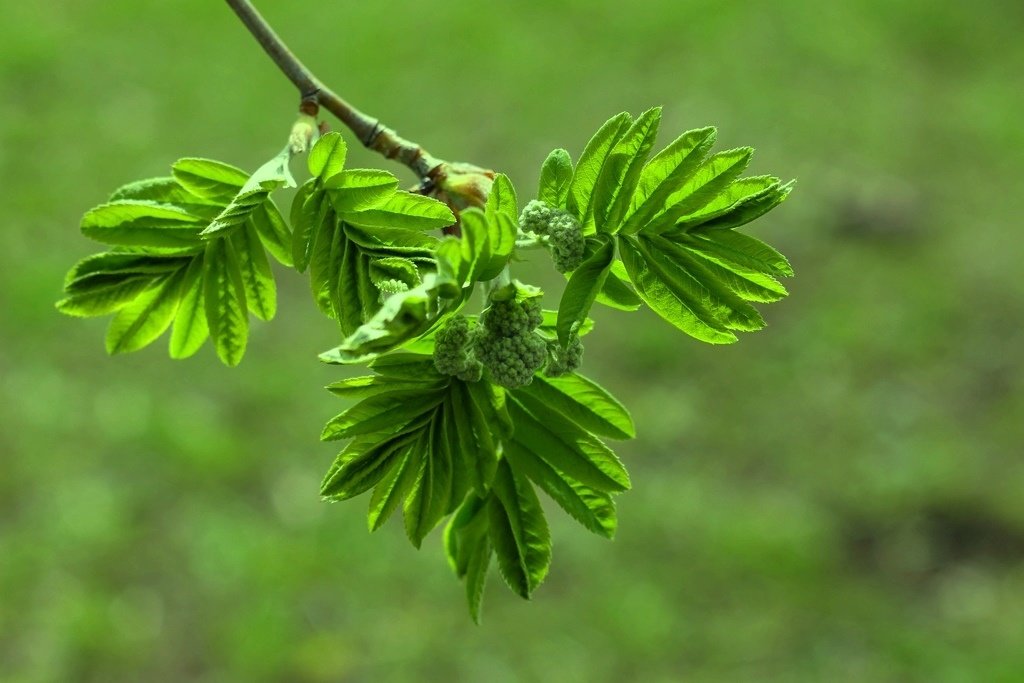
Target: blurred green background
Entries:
(839, 497)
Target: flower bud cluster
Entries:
(564, 233)
(565, 360)
(453, 351)
(506, 343)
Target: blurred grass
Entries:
(836, 498)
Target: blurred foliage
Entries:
(836, 498)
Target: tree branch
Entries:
(370, 131)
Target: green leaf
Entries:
(393, 487)
(583, 287)
(730, 199)
(518, 531)
(403, 317)
(712, 178)
(469, 549)
(358, 388)
(102, 283)
(270, 176)
(475, 246)
(428, 502)
(224, 299)
(566, 446)
(403, 210)
(753, 208)
(273, 231)
(106, 296)
(190, 327)
(471, 438)
(406, 366)
(360, 189)
(740, 251)
(584, 402)
(167, 191)
(395, 268)
(100, 269)
(555, 179)
(593, 509)
(669, 170)
(260, 292)
(209, 179)
(327, 157)
(502, 214)
(710, 282)
(493, 415)
(741, 273)
(325, 264)
(673, 295)
(588, 169)
(617, 292)
(309, 210)
(139, 323)
(380, 412)
(361, 466)
(135, 223)
(392, 241)
(621, 171)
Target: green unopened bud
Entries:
(465, 185)
(304, 133)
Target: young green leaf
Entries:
(584, 402)
(225, 303)
(621, 171)
(360, 189)
(209, 179)
(566, 446)
(380, 412)
(258, 279)
(518, 531)
(580, 202)
(393, 487)
(471, 437)
(593, 509)
(429, 499)
(190, 327)
(359, 471)
(402, 210)
(583, 287)
(469, 550)
(502, 213)
(672, 295)
(617, 292)
(327, 158)
(271, 176)
(712, 178)
(273, 232)
(555, 179)
(669, 170)
(136, 223)
(139, 323)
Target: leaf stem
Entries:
(370, 131)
